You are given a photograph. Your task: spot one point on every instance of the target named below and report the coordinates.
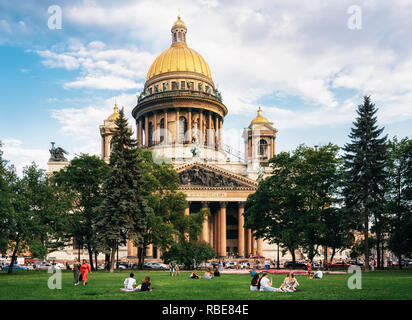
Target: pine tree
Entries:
(125, 209)
(365, 169)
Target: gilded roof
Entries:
(179, 57)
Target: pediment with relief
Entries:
(205, 176)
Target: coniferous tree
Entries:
(364, 162)
(124, 209)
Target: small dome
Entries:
(260, 118)
(179, 23)
(115, 114)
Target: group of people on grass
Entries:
(258, 283)
(80, 272)
(263, 283)
(130, 284)
(207, 275)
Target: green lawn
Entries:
(102, 285)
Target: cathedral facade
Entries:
(179, 116)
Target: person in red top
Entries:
(84, 270)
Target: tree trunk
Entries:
(13, 258)
(293, 258)
(366, 235)
(95, 259)
(112, 259)
(333, 255)
(400, 261)
(90, 257)
(141, 257)
(106, 261)
(378, 252)
(325, 255)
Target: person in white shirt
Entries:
(318, 274)
(265, 284)
(129, 284)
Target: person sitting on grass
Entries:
(290, 283)
(254, 283)
(216, 273)
(318, 274)
(208, 274)
(129, 284)
(265, 284)
(146, 284)
(194, 275)
(253, 272)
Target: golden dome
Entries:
(115, 114)
(179, 23)
(179, 58)
(260, 118)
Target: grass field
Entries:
(393, 285)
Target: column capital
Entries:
(223, 204)
(241, 204)
(205, 204)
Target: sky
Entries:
(308, 64)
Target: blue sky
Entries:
(300, 62)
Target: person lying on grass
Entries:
(129, 284)
(290, 283)
(194, 275)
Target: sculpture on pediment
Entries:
(197, 176)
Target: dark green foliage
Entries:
(292, 207)
(83, 179)
(365, 169)
(399, 196)
(125, 208)
(37, 217)
(189, 253)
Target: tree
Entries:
(364, 162)
(38, 217)
(125, 208)
(6, 178)
(274, 210)
(189, 253)
(291, 205)
(84, 177)
(166, 202)
(399, 196)
(317, 181)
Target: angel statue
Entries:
(195, 149)
(261, 172)
(57, 154)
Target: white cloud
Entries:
(292, 50)
(21, 156)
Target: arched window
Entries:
(174, 37)
(162, 130)
(182, 129)
(263, 148)
(150, 133)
